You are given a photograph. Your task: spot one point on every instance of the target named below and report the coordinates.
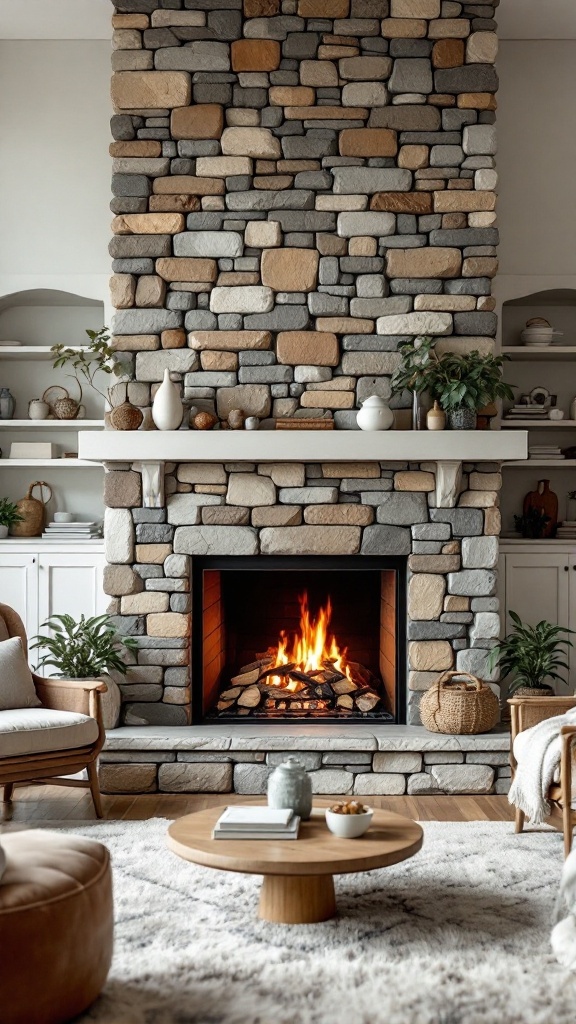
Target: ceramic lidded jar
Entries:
(375, 414)
(290, 787)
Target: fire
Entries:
(311, 648)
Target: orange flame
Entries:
(311, 647)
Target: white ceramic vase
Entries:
(167, 408)
(375, 414)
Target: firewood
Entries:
(325, 691)
(281, 693)
(276, 670)
(231, 694)
(246, 678)
(250, 698)
(367, 702)
(343, 686)
(261, 663)
(300, 677)
(223, 705)
(345, 701)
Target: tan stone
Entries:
(345, 324)
(325, 113)
(478, 499)
(336, 52)
(404, 28)
(339, 515)
(150, 90)
(449, 28)
(292, 96)
(225, 515)
(150, 291)
(177, 183)
(130, 21)
(414, 481)
(201, 473)
(448, 53)
(434, 563)
(187, 268)
(451, 548)
(480, 266)
(445, 303)
(455, 603)
(176, 695)
(426, 596)
(141, 604)
(402, 202)
(327, 400)
(336, 384)
(457, 200)
(366, 142)
(195, 777)
(255, 142)
(476, 101)
(223, 166)
(170, 624)
(362, 246)
(492, 522)
(255, 55)
(284, 474)
(148, 223)
(274, 182)
(175, 338)
(138, 147)
(126, 39)
(154, 554)
(431, 261)
(290, 270)
(482, 48)
(176, 204)
(263, 234)
(134, 342)
(250, 490)
(261, 8)
(307, 348)
(277, 515)
(463, 345)
(350, 470)
(482, 220)
(324, 8)
(202, 121)
(122, 290)
(181, 19)
(310, 540)
(229, 341)
(413, 157)
(318, 73)
(237, 278)
(127, 778)
(430, 655)
(119, 580)
(486, 303)
(415, 8)
(419, 682)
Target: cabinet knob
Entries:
(33, 561)
(567, 567)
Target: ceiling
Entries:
(90, 19)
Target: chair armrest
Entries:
(71, 684)
(79, 695)
(568, 730)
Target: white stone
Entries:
(215, 540)
(217, 244)
(150, 366)
(380, 784)
(480, 552)
(331, 780)
(222, 166)
(486, 626)
(420, 784)
(118, 536)
(463, 778)
(395, 762)
(250, 490)
(247, 299)
(486, 179)
(183, 510)
(472, 583)
(263, 234)
(177, 566)
(415, 323)
(351, 225)
(479, 140)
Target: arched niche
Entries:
(47, 316)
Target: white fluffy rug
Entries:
(459, 934)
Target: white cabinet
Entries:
(538, 581)
(40, 582)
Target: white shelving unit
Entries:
(541, 464)
(34, 352)
(529, 424)
(51, 424)
(536, 353)
(56, 464)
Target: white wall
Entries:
(55, 169)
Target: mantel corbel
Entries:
(448, 480)
(152, 483)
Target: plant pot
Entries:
(462, 419)
(110, 702)
(533, 691)
(3, 532)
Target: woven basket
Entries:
(460, 704)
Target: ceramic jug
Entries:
(7, 404)
(38, 410)
(290, 787)
(375, 414)
(167, 408)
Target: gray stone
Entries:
(150, 366)
(402, 508)
(312, 374)
(351, 757)
(476, 324)
(411, 75)
(253, 399)
(145, 321)
(368, 386)
(446, 156)
(431, 531)
(443, 757)
(480, 552)
(479, 139)
(199, 777)
(360, 364)
(121, 127)
(131, 185)
(460, 237)
(291, 199)
(472, 583)
(463, 778)
(366, 180)
(215, 540)
(385, 540)
(380, 784)
(201, 55)
(282, 318)
(465, 522)
(308, 495)
(215, 244)
(200, 320)
(155, 714)
(309, 759)
(251, 778)
(420, 785)
(332, 781)
(474, 660)
(397, 761)
(265, 374)
(485, 604)
(133, 266)
(471, 78)
(486, 627)
(494, 758)
(123, 247)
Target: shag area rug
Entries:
(459, 934)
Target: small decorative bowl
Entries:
(63, 517)
(349, 826)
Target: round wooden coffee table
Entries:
(298, 886)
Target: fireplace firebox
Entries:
(298, 638)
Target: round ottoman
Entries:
(56, 926)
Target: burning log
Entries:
(341, 686)
(345, 701)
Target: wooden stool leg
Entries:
(8, 790)
(519, 819)
(297, 899)
(567, 828)
(95, 789)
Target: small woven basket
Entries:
(459, 703)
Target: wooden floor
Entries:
(45, 806)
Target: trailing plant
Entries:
(9, 513)
(532, 654)
(457, 381)
(85, 363)
(532, 523)
(83, 649)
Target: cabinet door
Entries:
(19, 587)
(70, 583)
(538, 587)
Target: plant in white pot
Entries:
(91, 648)
(9, 515)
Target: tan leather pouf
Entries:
(56, 926)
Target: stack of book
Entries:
(527, 412)
(256, 823)
(545, 451)
(72, 531)
(566, 530)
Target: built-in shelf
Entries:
(51, 424)
(52, 463)
(33, 351)
(537, 353)
(550, 463)
(536, 424)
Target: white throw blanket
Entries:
(537, 752)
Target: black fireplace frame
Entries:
(287, 563)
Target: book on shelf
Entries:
(256, 823)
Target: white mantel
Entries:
(148, 450)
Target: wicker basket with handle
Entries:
(459, 703)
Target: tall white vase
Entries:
(167, 408)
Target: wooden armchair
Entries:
(529, 711)
(62, 737)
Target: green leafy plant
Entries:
(532, 654)
(87, 362)
(532, 523)
(83, 649)
(457, 381)
(9, 513)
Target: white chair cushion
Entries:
(38, 730)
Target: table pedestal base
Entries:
(297, 899)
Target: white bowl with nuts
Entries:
(349, 819)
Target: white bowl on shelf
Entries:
(349, 826)
(541, 336)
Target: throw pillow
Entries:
(16, 683)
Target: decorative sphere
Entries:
(205, 421)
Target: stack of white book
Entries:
(566, 530)
(527, 412)
(72, 531)
(256, 823)
(545, 451)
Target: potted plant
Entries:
(9, 515)
(462, 383)
(88, 649)
(532, 654)
(532, 523)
